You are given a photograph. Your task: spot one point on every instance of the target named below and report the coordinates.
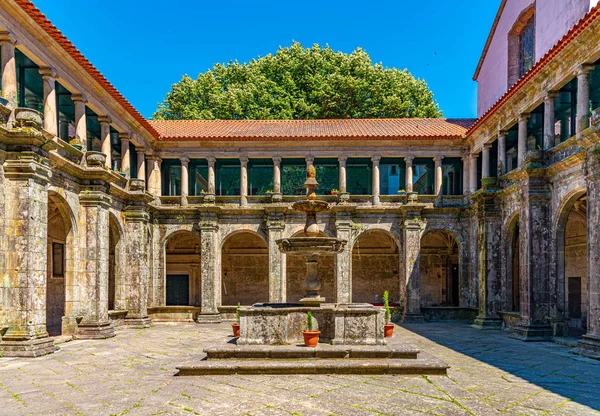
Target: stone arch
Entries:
(572, 255)
(512, 267)
(244, 268)
(296, 273)
(440, 273)
(182, 269)
(61, 301)
(375, 266)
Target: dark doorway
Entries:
(178, 289)
(574, 297)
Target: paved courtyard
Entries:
(134, 374)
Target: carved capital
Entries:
(277, 160)
(47, 72)
(7, 37)
(523, 117)
(438, 158)
(409, 158)
(211, 160)
(584, 70)
(184, 159)
(78, 98)
(375, 158)
(104, 120)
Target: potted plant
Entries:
(388, 327)
(311, 337)
(236, 326)
(334, 191)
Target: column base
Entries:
(589, 347)
(95, 330)
(137, 323)
(531, 333)
(413, 318)
(209, 318)
(487, 322)
(26, 347)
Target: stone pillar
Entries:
(535, 260)
(310, 159)
(94, 249)
(50, 111)
(243, 180)
(80, 120)
(590, 344)
(25, 269)
(438, 179)
(137, 271)
(473, 173)
(210, 195)
(185, 176)
(501, 153)
(277, 174)
(125, 160)
(522, 139)
(9, 67)
(410, 274)
(549, 122)
(343, 260)
(141, 163)
(583, 98)
(409, 173)
(375, 179)
(105, 137)
(277, 259)
(342, 159)
(210, 269)
(154, 176)
(465, 178)
(485, 160)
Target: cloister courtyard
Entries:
(134, 373)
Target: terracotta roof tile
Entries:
(243, 130)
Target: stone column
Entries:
(9, 67)
(137, 270)
(277, 174)
(105, 137)
(583, 98)
(549, 134)
(243, 180)
(410, 274)
(501, 153)
(343, 260)
(437, 187)
(24, 269)
(125, 160)
(342, 159)
(210, 195)
(310, 159)
(94, 249)
(375, 179)
(80, 120)
(50, 111)
(409, 173)
(277, 259)
(184, 178)
(473, 172)
(154, 176)
(141, 163)
(485, 160)
(210, 269)
(522, 139)
(465, 178)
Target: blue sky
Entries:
(144, 46)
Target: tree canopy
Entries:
(300, 83)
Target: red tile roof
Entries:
(370, 129)
(66, 44)
(583, 23)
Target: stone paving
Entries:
(134, 374)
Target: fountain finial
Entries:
(311, 183)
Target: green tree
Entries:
(300, 83)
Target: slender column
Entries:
(583, 97)
(80, 120)
(9, 67)
(375, 179)
(549, 134)
(501, 153)
(184, 177)
(438, 175)
(473, 172)
(342, 159)
(243, 180)
(465, 178)
(522, 139)
(343, 260)
(125, 160)
(210, 195)
(154, 176)
(411, 229)
(485, 160)
(210, 270)
(50, 112)
(277, 174)
(141, 163)
(409, 172)
(277, 262)
(106, 147)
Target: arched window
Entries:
(521, 45)
(527, 47)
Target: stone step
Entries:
(325, 351)
(419, 366)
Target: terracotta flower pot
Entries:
(311, 338)
(388, 330)
(236, 330)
